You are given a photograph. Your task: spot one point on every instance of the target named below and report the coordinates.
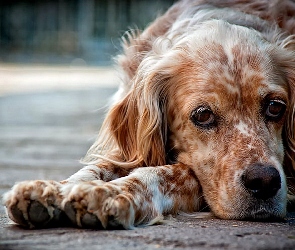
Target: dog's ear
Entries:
(138, 125)
(289, 131)
(289, 138)
(286, 60)
(134, 132)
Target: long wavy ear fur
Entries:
(289, 133)
(134, 132)
(289, 137)
(287, 64)
(137, 125)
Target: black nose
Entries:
(262, 181)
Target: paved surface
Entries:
(43, 134)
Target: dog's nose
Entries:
(262, 181)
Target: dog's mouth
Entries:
(256, 210)
(246, 207)
(263, 214)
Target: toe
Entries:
(41, 216)
(17, 216)
(90, 221)
(38, 214)
(70, 212)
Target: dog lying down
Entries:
(205, 117)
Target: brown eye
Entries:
(275, 109)
(203, 117)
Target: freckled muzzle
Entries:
(261, 181)
(259, 193)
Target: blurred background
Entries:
(56, 78)
(70, 31)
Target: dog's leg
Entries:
(137, 199)
(105, 172)
(38, 203)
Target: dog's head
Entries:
(220, 99)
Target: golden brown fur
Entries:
(205, 115)
(137, 127)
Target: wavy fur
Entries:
(205, 116)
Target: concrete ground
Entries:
(47, 126)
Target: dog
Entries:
(204, 117)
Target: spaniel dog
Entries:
(205, 117)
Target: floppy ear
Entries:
(284, 57)
(134, 131)
(287, 63)
(289, 133)
(289, 138)
(138, 123)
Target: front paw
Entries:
(98, 205)
(34, 203)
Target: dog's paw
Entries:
(98, 205)
(34, 203)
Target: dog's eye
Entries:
(203, 117)
(275, 109)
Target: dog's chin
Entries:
(273, 209)
(256, 215)
(263, 214)
(256, 210)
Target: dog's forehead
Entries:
(229, 76)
